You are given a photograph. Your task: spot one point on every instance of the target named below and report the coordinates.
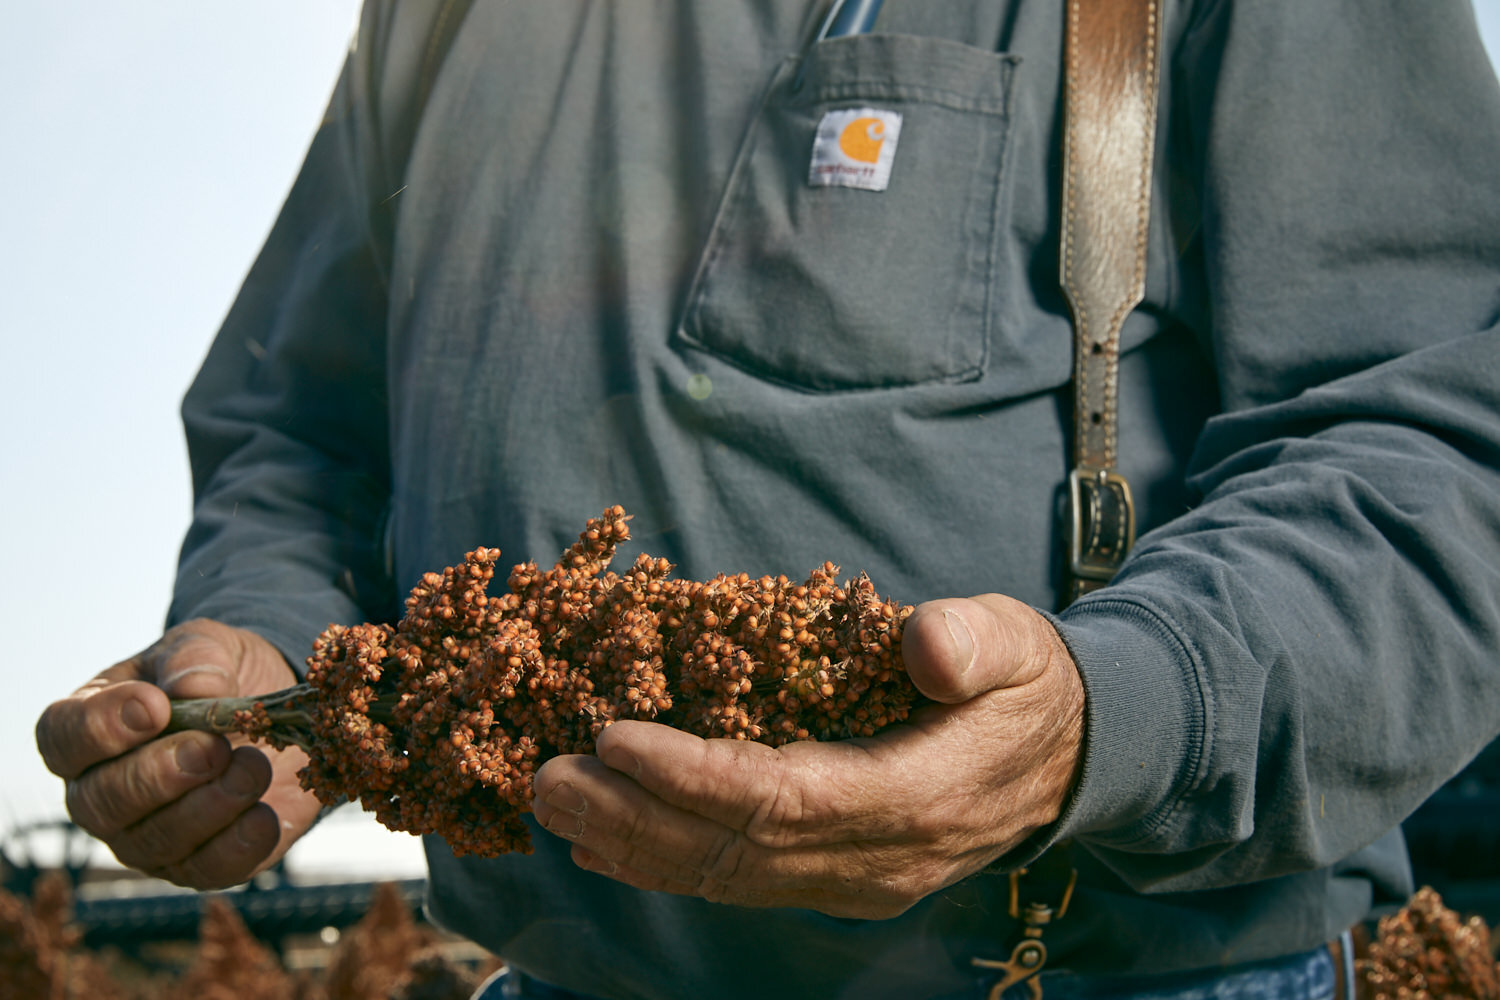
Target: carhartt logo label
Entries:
(855, 148)
(863, 139)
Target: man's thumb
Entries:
(191, 664)
(959, 648)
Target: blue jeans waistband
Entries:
(1307, 976)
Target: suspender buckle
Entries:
(1101, 524)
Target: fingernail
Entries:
(565, 825)
(963, 640)
(191, 759)
(566, 798)
(240, 783)
(243, 832)
(169, 681)
(136, 716)
(591, 862)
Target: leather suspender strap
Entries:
(1111, 80)
(1109, 144)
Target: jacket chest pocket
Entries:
(854, 245)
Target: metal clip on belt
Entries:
(1030, 955)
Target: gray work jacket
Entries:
(604, 274)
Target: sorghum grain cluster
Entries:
(438, 724)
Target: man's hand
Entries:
(187, 807)
(857, 828)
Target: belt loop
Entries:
(1346, 946)
(1343, 950)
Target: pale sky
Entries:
(148, 146)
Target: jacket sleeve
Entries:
(286, 420)
(1282, 674)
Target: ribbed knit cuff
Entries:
(1144, 722)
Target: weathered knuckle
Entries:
(79, 800)
(713, 893)
(788, 808)
(212, 866)
(49, 742)
(640, 827)
(721, 860)
(171, 642)
(1038, 644)
(174, 876)
(717, 891)
(95, 806)
(149, 843)
(96, 729)
(69, 735)
(189, 873)
(784, 811)
(142, 786)
(108, 799)
(76, 733)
